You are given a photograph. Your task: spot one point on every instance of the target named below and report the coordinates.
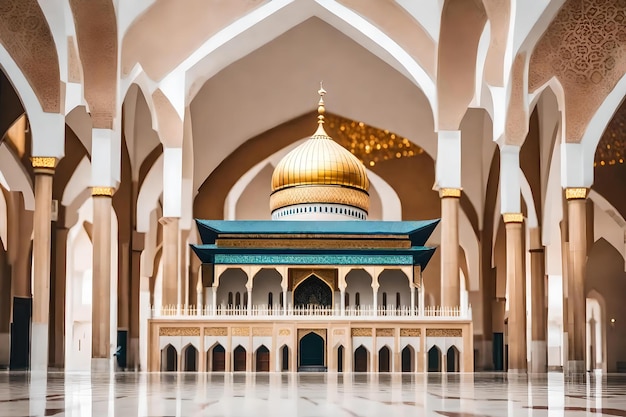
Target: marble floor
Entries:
(329, 395)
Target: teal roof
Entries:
(417, 231)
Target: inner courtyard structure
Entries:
(167, 204)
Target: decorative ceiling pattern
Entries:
(25, 34)
(585, 47)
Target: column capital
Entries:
(577, 193)
(167, 220)
(513, 217)
(449, 192)
(102, 191)
(44, 164)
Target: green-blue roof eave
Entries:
(417, 231)
(416, 255)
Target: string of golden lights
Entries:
(612, 147)
(370, 144)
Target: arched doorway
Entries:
(190, 359)
(452, 359)
(239, 363)
(434, 359)
(340, 353)
(284, 355)
(169, 359)
(360, 359)
(384, 359)
(312, 351)
(262, 359)
(407, 359)
(313, 292)
(218, 360)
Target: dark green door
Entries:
(312, 350)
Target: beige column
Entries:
(450, 278)
(58, 329)
(44, 172)
(498, 308)
(576, 209)
(101, 352)
(20, 228)
(567, 312)
(539, 347)
(137, 244)
(5, 308)
(517, 293)
(170, 261)
(187, 283)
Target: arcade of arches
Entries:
(122, 121)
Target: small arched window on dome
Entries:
(238, 299)
(230, 298)
(357, 300)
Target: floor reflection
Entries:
(273, 394)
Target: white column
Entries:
(412, 301)
(375, 298)
(343, 301)
(214, 294)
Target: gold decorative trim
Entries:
(362, 331)
(576, 193)
(179, 331)
(513, 217)
(284, 332)
(410, 332)
(313, 242)
(297, 276)
(241, 331)
(261, 331)
(320, 332)
(215, 331)
(102, 191)
(43, 164)
(384, 332)
(449, 192)
(322, 194)
(444, 333)
(48, 162)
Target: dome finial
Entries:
(320, 112)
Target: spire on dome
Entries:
(320, 111)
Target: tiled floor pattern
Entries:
(328, 395)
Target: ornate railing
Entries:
(266, 312)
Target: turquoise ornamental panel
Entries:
(243, 259)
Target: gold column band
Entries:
(513, 217)
(102, 191)
(44, 164)
(576, 193)
(449, 192)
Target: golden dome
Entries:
(320, 171)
